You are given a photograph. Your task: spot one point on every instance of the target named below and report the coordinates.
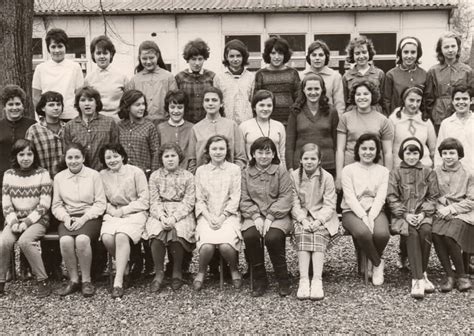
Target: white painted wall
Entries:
(174, 31)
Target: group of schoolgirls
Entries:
(260, 204)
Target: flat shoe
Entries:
(155, 286)
(88, 289)
(117, 292)
(237, 283)
(70, 288)
(197, 285)
(176, 283)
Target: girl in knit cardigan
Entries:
(26, 199)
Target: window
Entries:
(337, 44)
(385, 46)
(253, 43)
(76, 50)
(297, 44)
(37, 48)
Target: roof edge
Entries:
(243, 11)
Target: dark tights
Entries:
(449, 250)
(158, 252)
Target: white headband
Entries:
(411, 142)
(408, 40)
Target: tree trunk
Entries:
(16, 29)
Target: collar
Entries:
(188, 70)
(454, 65)
(324, 71)
(108, 69)
(305, 177)
(78, 119)
(253, 171)
(181, 123)
(176, 172)
(454, 117)
(146, 72)
(121, 171)
(418, 165)
(42, 122)
(455, 169)
(416, 117)
(223, 166)
(62, 63)
(407, 70)
(82, 173)
(215, 120)
(353, 71)
(14, 122)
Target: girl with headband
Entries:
(406, 73)
(412, 194)
(409, 121)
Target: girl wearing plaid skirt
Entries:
(315, 219)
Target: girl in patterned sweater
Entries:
(26, 199)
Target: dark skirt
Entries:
(170, 236)
(91, 229)
(459, 230)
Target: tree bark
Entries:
(16, 30)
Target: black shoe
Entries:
(157, 281)
(284, 288)
(44, 289)
(463, 284)
(117, 292)
(448, 285)
(259, 288)
(88, 289)
(2, 289)
(70, 288)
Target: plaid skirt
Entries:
(312, 241)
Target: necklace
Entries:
(260, 128)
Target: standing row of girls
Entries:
(239, 85)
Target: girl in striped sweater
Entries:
(26, 199)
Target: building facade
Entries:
(171, 24)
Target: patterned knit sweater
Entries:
(26, 196)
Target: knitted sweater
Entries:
(26, 196)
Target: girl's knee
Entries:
(107, 239)
(122, 239)
(83, 242)
(226, 248)
(66, 241)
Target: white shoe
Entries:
(417, 288)
(377, 277)
(317, 292)
(303, 289)
(428, 285)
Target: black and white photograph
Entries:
(236, 167)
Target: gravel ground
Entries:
(349, 306)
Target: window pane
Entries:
(296, 42)
(77, 47)
(385, 65)
(37, 47)
(384, 43)
(251, 41)
(336, 42)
